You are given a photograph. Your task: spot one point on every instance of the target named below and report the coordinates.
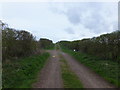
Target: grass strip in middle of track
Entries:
(70, 80)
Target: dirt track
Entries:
(86, 76)
(50, 76)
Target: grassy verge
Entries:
(106, 68)
(22, 73)
(70, 80)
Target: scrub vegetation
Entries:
(102, 54)
(22, 57)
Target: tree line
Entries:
(21, 43)
(106, 46)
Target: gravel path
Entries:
(89, 78)
(50, 76)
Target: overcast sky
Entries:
(60, 20)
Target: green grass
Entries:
(106, 68)
(70, 80)
(23, 73)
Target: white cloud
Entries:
(62, 21)
(97, 17)
(59, 1)
(0, 10)
(69, 30)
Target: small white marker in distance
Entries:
(53, 56)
